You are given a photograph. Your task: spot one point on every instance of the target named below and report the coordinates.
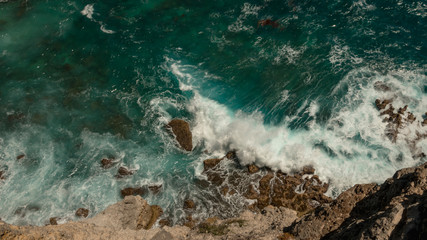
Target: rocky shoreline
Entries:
(276, 205)
(396, 209)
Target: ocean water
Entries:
(85, 80)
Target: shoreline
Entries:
(399, 204)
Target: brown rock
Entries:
(165, 222)
(181, 130)
(231, 155)
(107, 162)
(308, 170)
(224, 190)
(20, 156)
(155, 188)
(131, 191)
(424, 123)
(189, 204)
(157, 211)
(53, 220)
(124, 171)
(211, 163)
(411, 117)
(190, 222)
(381, 104)
(82, 212)
(253, 168)
(251, 193)
(2, 175)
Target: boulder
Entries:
(382, 104)
(2, 175)
(211, 163)
(107, 162)
(189, 204)
(130, 191)
(253, 168)
(123, 171)
(53, 220)
(82, 212)
(308, 170)
(181, 130)
(21, 156)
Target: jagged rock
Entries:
(394, 210)
(131, 191)
(382, 104)
(211, 163)
(155, 188)
(123, 172)
(308, 170)
(82, 212)
(181, 130)
(253, 168)
(231, 155)
(53, 221)
(107, 162)
(189, 204)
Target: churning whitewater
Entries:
(284, 83)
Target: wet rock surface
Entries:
(397, 209)
(130, 191)
(301, 191)
(181, 130)
(123, 172)
(82, 212)
(107, 162)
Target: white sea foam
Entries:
(350, 148)
(88, 11)
(108, 31)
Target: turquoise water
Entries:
(85, 80)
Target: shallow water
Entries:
(86, 80)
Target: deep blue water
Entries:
(86, 80)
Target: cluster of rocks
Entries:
(396, 119)
(397, 209)
(301, 191)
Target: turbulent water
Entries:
(85, 80)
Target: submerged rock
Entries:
(21, 156)
(82, 212)
(189, 204)
(123, 171)
(381, 86)
(107, 162)
(155, 188)
(382, 104)
(2, 175)
(181, 130)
